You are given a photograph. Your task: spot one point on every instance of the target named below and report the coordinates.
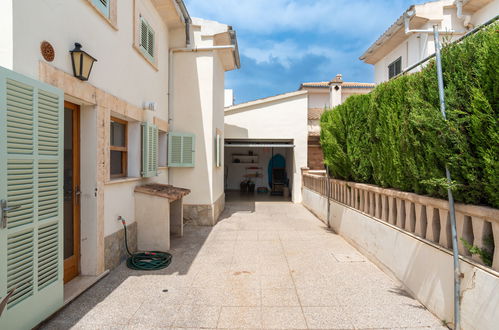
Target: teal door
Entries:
(31, 168)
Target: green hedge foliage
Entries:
(396, 137)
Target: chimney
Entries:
(338, 78)
(335, 90)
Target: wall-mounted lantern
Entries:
(82, 62)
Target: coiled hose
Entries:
(150, 260)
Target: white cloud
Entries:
(286, 52)
(265, 17)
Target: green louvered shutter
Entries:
(31, 168)
(103, 6)
(146, 39)
(181, 149)
(149, 150)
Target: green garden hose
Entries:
(150, 260)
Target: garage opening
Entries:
(259, 170)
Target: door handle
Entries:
(5, 209)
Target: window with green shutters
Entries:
(149, 150)
(181, 147)
(146, 39)
(103, 6)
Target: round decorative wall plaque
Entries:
(47, 51)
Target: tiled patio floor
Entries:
(265, 265)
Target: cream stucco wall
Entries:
(7, 34)
(119, 200)
(120, 68)
(198, 105)
(318, 98)
(281, 119)
(120, 82)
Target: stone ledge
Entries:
(163, 190)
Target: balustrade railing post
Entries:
(445, 229)
(400, 213)
(495, 233)
(432, 224)
(392, 210)
(421, 221)
(481, 233)
(410, 216)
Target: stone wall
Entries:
(204, 215)
(115, 250)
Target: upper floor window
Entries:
(146, 39)
(107, 9)
(395, 68)
(103, 6)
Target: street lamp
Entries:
(82, 62)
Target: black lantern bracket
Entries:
(82, 62)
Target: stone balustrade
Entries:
(425, 217)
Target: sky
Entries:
(283, 43)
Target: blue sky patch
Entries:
(286, 42)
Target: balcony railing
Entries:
(422, 216)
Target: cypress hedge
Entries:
(396, 137)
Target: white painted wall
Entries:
(347, 92)
(417, 46)
(486, 13)
(318, 98)
(424, 269)
(198, 108)
(121, 70)
(119, 201)
(218, 124)
(6, 34)
(279, 119)
(228, 98)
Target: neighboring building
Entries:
(326, 95)
(229, 98)
(259, 131)
(101, 138)
(404, 44)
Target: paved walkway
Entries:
(265, 265)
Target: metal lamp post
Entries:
(457, 271)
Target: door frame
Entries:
(72, 264)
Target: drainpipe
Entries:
(187, 21)
(170, 77)
(457, 271)
(465, 18)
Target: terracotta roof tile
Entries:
(325, 84)
(315, 113)
(316, 84)
(358, 85)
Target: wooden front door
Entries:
(71, 191)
